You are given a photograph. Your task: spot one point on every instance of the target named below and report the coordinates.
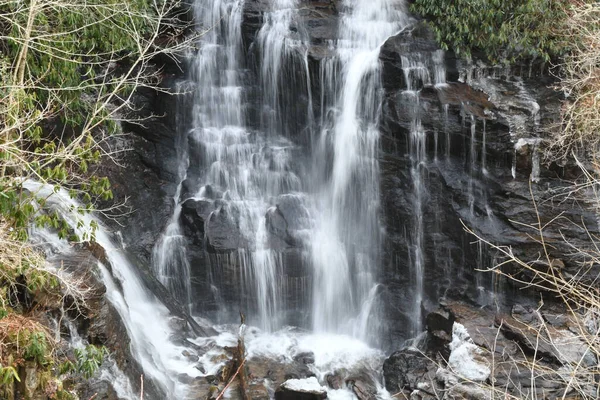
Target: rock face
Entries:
(481, 133)
(489, 348)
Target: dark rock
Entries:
(363, 387)
(194, 214)
(404, 369)
(305, 358)
(222, 232)
(258, 392)
(439, 321)
(288, 219)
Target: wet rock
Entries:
(192, 357)
(405, 369)
(305, 358)
(458, 389)
(439, 320)
(526, 338)
(258, 392)
(467, 391)
(194, 214)
(222, 231)
(363, 387)
(439, 327)
(97, 251)
(335, 381)
(301, 389)
(288, 220)
(277, 372)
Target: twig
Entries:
(231, 380)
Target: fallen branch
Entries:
(231, 380)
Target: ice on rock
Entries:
(466, 358)
(304, 385)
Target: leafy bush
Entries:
(87, 361)
(68, 70)
(501, 29)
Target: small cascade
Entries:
(169, 258)
(484, 149)
(447, 132)
(215, 86)
(418, 160)
(472, 166)
(150, 344)
(422, 69)
(109, 371)
(529, 148)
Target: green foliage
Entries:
(72, 45)
(87, 361)
(37, 348)
(8, 375)
(504, 30)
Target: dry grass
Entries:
(580, 294)
(15, 330)
(580, 81)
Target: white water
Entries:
(346, 244)
(281, 63)
(144, 317)
(170, 260)
(333, 353)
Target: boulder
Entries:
(301, 389)
(222, 230)
(334, 381)
(405, 369)
(288, 221)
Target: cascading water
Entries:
(262, 195)
(242, 175)
(345, 245)
(169, 258)
(151, 344)
(232, 171)
(420, 69)
(217, 106)
(280, 42)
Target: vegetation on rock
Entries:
(68, 70)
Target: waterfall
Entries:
(237, 174)
(170, 260)
(345, 246)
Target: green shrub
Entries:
(504, 30)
